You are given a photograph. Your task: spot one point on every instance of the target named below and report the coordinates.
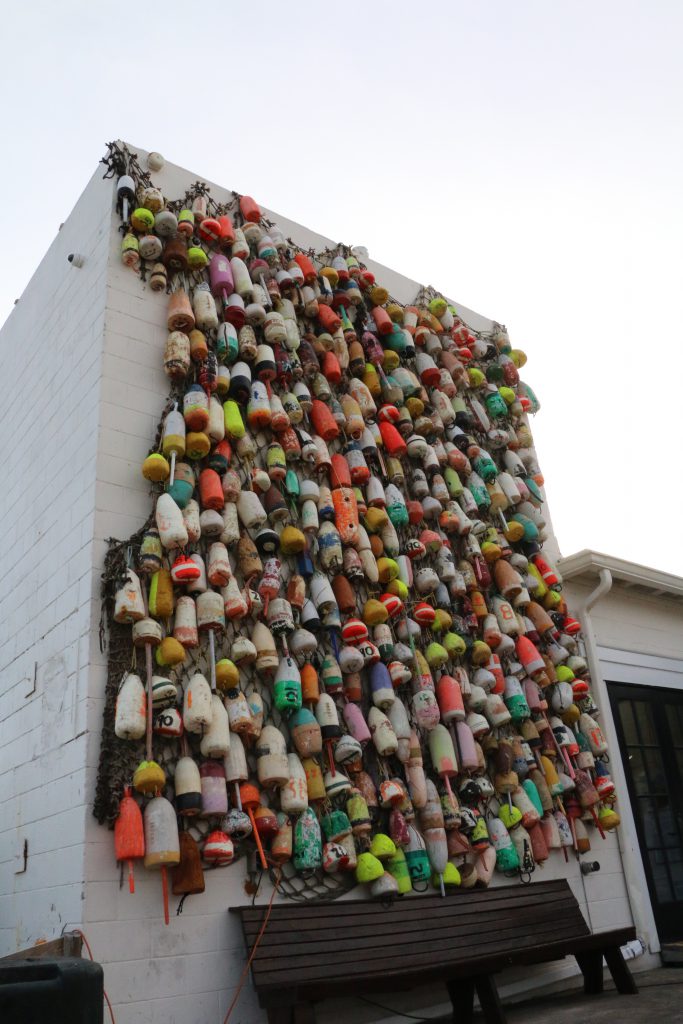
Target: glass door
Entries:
(649, 724)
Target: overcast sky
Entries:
(525, 158)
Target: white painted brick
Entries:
(606, 914)
(131, 1013)
(101, 903)
(125, 471)
(118, 941)
(200, 1007)
(164, 976)
(199, 934)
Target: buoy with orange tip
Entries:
(162, 843)
(250, 799)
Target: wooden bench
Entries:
(312, 951)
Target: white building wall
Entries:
(187, 972)
(50, 350)
(639, 640)
(627, 620)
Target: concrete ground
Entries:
(659, 999)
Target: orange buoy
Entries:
(211, 490)
(129, 835)
(250, 210)
(323, 421)
(307, 269)
(328, 319)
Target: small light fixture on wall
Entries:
(76, 259)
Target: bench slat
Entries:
(470, 930)
(290, 970)
(534, 894)
(399, 909)
(388, 923)
(406, 979)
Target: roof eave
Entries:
(587, 564)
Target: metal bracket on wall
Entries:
(21, 858)
(34, 682)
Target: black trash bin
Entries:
(68, 991)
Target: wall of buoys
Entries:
(349, 657)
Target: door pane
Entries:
(644, 714)
(628, 722)
(651, 821)
(637, 765)
(673, 716)
(675, 861)
(655, 771)
(660, 876)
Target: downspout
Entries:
(636, 887)
(603, 587)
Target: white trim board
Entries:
(619, 666)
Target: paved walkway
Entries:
(659, 1001)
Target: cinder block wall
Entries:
(51, 356)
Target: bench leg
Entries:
(591, 968)
(304, 1013)
(621, 975)
(489, 999)
(279, 1014)
(461, 991)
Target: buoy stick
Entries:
(238, 798)
(571, 825)
(149, 669)
(164, 890)
(451, 796)
(150, 705)
(454, 737)
(131, 877)
(597, 823)
(257, 837)
(212, 658)
(330, 757)
(560, 750)
(568, 762)
(441, 886)
(172, 476)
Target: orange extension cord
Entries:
(243, 977)
(87, 946)
(245, 972)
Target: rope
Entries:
(78, 931)
(245, 972)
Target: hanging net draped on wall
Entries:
(336, 644)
